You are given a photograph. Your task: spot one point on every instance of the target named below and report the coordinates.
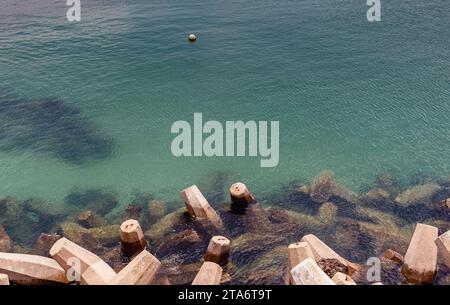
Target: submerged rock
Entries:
(94, 239)
(89, 219)
(268, 269)
(188, 244)
(97, 200)
(22, 223)
(134, 211)
(53, 127)
(389, 183)
(328, 212)
(44, 243)
(377, 194)
(166, 225)
(423, 193)
(322, 187)
(156, 209)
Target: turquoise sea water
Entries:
(354, 97)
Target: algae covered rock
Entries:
(89, 219)
(166, 225)
(322, 187)
(156, 209)
(268, 269)
(93, 239)
(100, 201)
(327, 212)
(377, 194)
(423, 193)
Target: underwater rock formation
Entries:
(418, 194)
(99, 201)
(52, 127)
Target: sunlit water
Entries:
(354, 97)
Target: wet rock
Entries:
(389, 183)
(267, 269)
(293, 223)
(384, 232)
(304, 189)
(349, 240)
(328, 212)
(377, 194)
(166, 225)
(393, 256)
(44, 243)
(94, 239)
(188, 244)
(250, 245)
(52, 127)
(113, 257)
(134, 212)
(97, 200)
(156, 209)
(322, 187)
(390, 272)
(5, 241)
(89, 219)
(418, 194)
(325, 187)
(181, 274)
(22, 226)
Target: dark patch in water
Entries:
(98, 200)
(50, 126)
(213, 186)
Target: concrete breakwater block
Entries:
(309, 273)
(327, 259)
(197, 206)
(342, 279)
(31, 269)
(218, 250)
(131, 237)
(140, 271)
(4, 279)
(210, 274)
(88, 267)
(298, 252)
(419, 266)
(443, 245)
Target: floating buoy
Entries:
(192, 37)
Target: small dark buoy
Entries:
(192, 37)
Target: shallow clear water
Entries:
(353, 97)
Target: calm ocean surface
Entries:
(354, 97)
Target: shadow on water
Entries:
(51, 126)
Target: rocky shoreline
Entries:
(324, 218)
